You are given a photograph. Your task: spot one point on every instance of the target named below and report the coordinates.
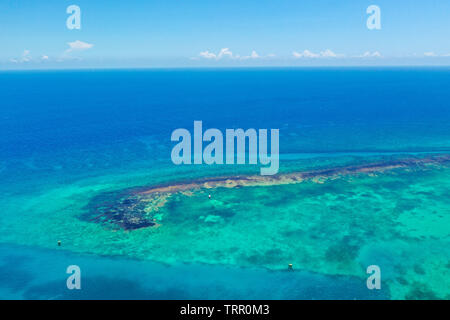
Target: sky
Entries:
(221, 33)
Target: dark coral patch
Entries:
(123, 210)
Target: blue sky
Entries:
(176, 33)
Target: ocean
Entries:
(71, 141)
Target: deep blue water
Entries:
(33, 273)
(76, 123)
(59, 126)
(56, 110)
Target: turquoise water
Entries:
(68, 137)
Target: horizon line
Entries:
(388, 66)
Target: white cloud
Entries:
(25, 57)
(253, 55)
(207, 55)
(78, 46)
(225, 53)
(376, 54)
(305, 54)
(328, 54)
(368, 54)
(430, 54)
(308, 54)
